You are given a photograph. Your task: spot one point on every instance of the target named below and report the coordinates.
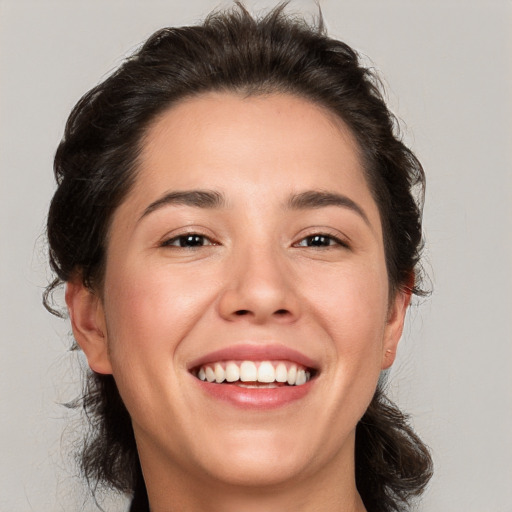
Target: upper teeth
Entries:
(250, 371)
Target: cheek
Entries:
(353, 299)
(149, 312)
(151, 309)
(351, 307)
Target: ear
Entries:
(395, 325)
(88, 324)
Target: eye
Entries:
(188, 241)
(320, 240)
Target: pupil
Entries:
(191, 241)
(318, 241)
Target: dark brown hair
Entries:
(96, 163)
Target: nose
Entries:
(260, 288)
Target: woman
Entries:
(235, 224)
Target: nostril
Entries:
(246, 312)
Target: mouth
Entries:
(250, 374)
(255, 376)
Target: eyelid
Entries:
(170, 242)
(340, 239)
(167, 240)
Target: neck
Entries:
(226, 499)
(331, 489)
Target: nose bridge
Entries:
(259, 284)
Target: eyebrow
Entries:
(313, 199)
(195, 198)
(211, 199)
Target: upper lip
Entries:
(255, 352)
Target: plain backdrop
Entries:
(448, 70)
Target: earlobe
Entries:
(395, 326)
(88, 324)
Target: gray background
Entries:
(448, 68)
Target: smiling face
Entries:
(248, 252)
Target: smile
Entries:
(254, 374)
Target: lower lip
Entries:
(256, 398)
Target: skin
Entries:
(163, 306)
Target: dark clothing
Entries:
(140, 502)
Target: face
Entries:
(245, 313)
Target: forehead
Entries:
(216, 130)
(255, 148)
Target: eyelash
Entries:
(180, 241)
(332, 241)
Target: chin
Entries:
(259, 469)
(262, 458)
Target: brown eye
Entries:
(191, 240)
(320, 240)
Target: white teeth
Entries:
(210, 374)
(232, 372)
(266, 373)
(220, 374)
(281, 373)
(292, 375)
(301, 378)
(248, 372)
